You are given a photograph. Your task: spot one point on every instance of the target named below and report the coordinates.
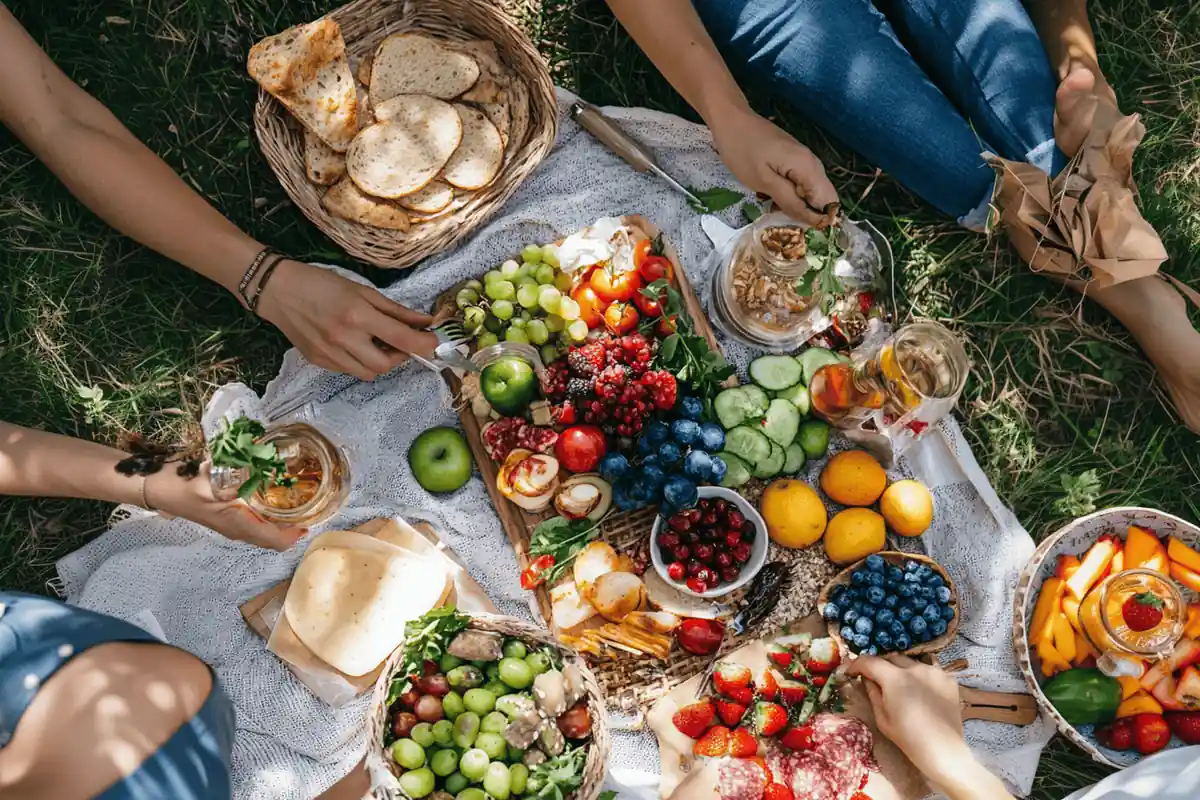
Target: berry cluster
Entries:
(889, 609)
(707, 545)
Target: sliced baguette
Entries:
(346, 201)
(429, 199)
(409, 63)
(408, 149)
(323, 165)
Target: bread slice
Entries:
(406, 151)
(429, 199)
(485, 90)
(366, 114)
(324, 165)
(479, 157)
(346, 201)
(306, 69)
(364, 70)
(492, 92)
(409, 63)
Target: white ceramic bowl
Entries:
(758, 550)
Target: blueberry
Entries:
(697, 465)
(641, 491)
(875, 579)
(852, 594)
(831, 612)
(905, 614)
(685, 431)
(942, 593)
(905, 590)
(938, 628)
(875, 563)
(932, 613)
(652, 460)
(876, 595)
(911, 579)
(883, 639)
(657, 432)
(691, 407)
(935, 581)
(891, 601)
(862, 642)
(645, 447)
(712, 437)
(849, 616)
(911, 566)
(858, 606)
(650, 474)
(679, 492)
(717, 470)
(947, 613)
(863, 625)
(895, 574)
(924, 572)
(869, 611)
(918, 626)
(884, 616)
(858, 578)
(901, 643)
(924, 636)
(926, 592)
(897, 628)
(621, 497)
(919, 604)
(669, 453)
(613, 466)
(838, 595)
(871, 651)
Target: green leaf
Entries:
(249, 487)
(751, 211)
(607, 794)
(668, 347)
(714, 199)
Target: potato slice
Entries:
(404, 153)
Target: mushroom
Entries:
(551, 741)
(550, 690)
(573, 680)
(533, 757)
(523, 731)
(471, 645)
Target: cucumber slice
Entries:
(798, 396)
(794, 458)
(758, 399)
(813, 438)
(734, 406)
(813, 359)
(775, 372)
(781, 423)
(737, 471)
(749, 444)
(772, 465)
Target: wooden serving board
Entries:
(618, 528)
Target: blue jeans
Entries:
(919, 87)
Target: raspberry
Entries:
(586, 360)
(610, 381)
(663, 388)
(579, 388)
(564, 413)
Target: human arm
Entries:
(39, 464)
(917, 707)
(760, 154)
(333, 321)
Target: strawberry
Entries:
(1187, 692)
(742, 744)
(798, 738)
(767, 685)
(1185, 654)
(728, 675)
(795, 642)
(777, 791)
(823, 656)
(1185, 725)
(741, 694)
(714, 743)
(819, 681)
(1150, 733)
(731, 713)
(1164, 693)
(691, 720)
(1118, 736)
(792, 693)
(1143, 611)
(780, 656)
(769, 718)
(861, 796)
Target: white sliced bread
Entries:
(409, 63)
(324, 165)
(366, 114)
(306, 69)
(479, 157)
(492, 75)
(406, 151)
(485, 90)
(346, 201)
(429, 199)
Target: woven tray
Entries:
(364, 24)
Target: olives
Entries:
(515, 672)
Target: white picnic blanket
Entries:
(190, 582)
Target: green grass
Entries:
(1058, 391)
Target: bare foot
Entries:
(1075, 104)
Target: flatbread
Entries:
(409, 63)
(305, 68)
(429, 199)
(323, 165)
(350, 606)
(408, 149)
(478, 158)
(345, 200)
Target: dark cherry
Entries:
(681, 552)
(748, 534)
(696, 585)
(707, 575)
(694, 567)
(735, 518)
(733, 539)
(730, 574)
(741, 553)
(709, 519)
(679, 523)
(693, 515)
(691, 537)
(668, 539)
(724, 559)
(704, 552)
(720, 506)
(676, 571)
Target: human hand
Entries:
(339, 324)
(765, 158)
(193, 499)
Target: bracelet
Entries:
(262, 282)
(251, 271)
(145, 503)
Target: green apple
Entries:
(440, 460)
(509, 385)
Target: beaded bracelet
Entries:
(262, 282)
(251, 271)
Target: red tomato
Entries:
(700, 637)
(580, 447)
(651, 265)
(665, 327)
(642, 249)
(648, 306)
(532, 577)
(615, 287)
(620, 318)
(591, 307)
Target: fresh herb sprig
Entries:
(563, 539)
(425, 639)
(558, 777)
(234, 446)
(715, 199)
(823, 254)
(686, 354)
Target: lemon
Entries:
(853, 478)
(794, 513)
(854, 534)
(908, 508)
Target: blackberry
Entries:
(587, 360)
(579, 388)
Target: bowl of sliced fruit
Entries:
(713, 549)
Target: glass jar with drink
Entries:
(1116, 632)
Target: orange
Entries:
(794, 513)
(908, 508)
(853, 478)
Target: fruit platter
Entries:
(1118, 590)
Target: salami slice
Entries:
(741, 779)
(810, 778)
(833, 732)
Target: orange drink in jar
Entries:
(1119, 614)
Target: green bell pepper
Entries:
(1084, 696)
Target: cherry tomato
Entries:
(615, 287)
(580, 447)
(700, 637)
(642, 249)
(533, 576)
(665, 327)
(620, 318)
(591, 307)
(649, 306)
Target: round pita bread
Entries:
(399, 156)
(479, 156)
(429, 199)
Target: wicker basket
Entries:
(1075, 538)
(364, 24)
(897, 558)
(597, 757)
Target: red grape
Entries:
(429, 708)
(430, 667)
(409, 698)
(696, 585)
(403, 724)
(436, 685)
